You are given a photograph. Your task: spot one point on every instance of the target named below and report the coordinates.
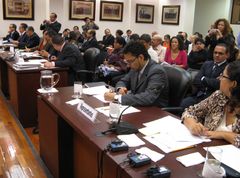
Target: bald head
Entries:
(156, 40)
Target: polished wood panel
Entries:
(15, 152)
(87, 146)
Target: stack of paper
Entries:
(169, 134)
(27, 65)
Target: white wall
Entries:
(40, 10)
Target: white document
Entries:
(53, 90)
(99, 90)
(38, 60)
(191, 159)
(230, 156)
(131, 140)
(73, 102)
(153, 155)
(101, 98)
(28, 63)
(105, 110)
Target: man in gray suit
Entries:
(146, 84)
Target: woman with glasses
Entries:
(217, 116)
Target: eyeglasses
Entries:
(130, 61)
(223, 76)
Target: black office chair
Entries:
(179, 82)
(91, 61)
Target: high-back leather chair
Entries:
(91, 61)
(179, 82)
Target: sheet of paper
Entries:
(153, 155)
(99, 90)
(105, 110)
(74, 101)
(101, 98)
(131, 140)
(28, 63)
(191, 159)
(53, 90)
(230, 156)
(38, 60)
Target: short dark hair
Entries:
(30, 28)
(134, 37)
(199, 35)
(92, 32)
(146, 38)
(51, 33)
(120, 40)
(85, 19)
(136, 48)
(14, 26)
(223, 45)
(120, 32)
(76, 27)
(72, 36)
(199, 40)
(128, 31)
(57, 40)
(180, 42)
(167, 36)
(24, 26)
(233, 71)
(55, 15)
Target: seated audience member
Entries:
(166, 42)
(176, 55)
(198, 54)
(44, 42)
(206, 81)
(146, 84)
(134, 37)
(91, 41)
(69, 56)
(128, 35)
(51, 24)
(217, 117)
(65, 34)
(80, 38)
(146, 40)
(12, 35)
(157, 46)
(186, 42)
(119, 33)
(221, 33)
(89, 25)
(108, 39)
(154, 33)
(33, 39)
(23, 36)
(72, 39)
(114, 65)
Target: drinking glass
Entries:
(77, 90)
(212, 165)
(48, 80)
(114, 111)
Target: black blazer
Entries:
(32, 41)
(210, 83)
(23, 39)
(92, 43)
(56, 26)
(14, 36)
(108, 40)
(197, 58)
(70, 57)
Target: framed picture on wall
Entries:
(144, 13)
(18, 9)
(80, 9)
(170, 15)
(235, 16)
(111, 11)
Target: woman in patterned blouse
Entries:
(218, 116)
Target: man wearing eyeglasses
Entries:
(206, 81)
(146, 84)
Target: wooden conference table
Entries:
(21, 87)
(70, 147)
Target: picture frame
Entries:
(111, 11)
(144, 13)
(235, 15)
(18, 9)
(80, 9)
(171, 14)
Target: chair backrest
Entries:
(179, 82)
(90, 58)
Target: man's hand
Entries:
(122, 91)
(109, 96)
(48, 65)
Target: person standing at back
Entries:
(51, 24)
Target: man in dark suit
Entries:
(146, 83)
(23, 38)
(69, 56)
(108, 39)
(33, 38)
(91, 41)
(206, 81)
(12, 35)
(51, 24)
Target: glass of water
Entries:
(77, 90)
(114, 111)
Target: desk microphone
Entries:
(121, 128)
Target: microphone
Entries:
(121, 128)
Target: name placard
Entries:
(87, 111)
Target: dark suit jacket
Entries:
(108, 40)
(22, 40)
(211, 83)
(32, 41)
(152, 89)
(70, 57)
(56, 26)
(14, 36)
(197, 58)
(92, 43)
